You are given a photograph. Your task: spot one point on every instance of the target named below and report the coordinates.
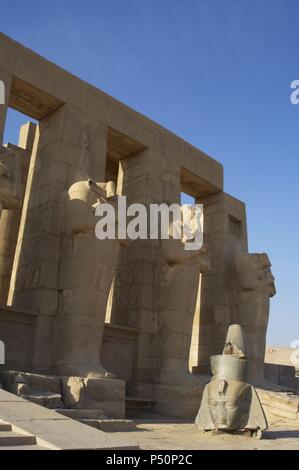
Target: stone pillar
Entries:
(56, 155)
(135, 296)
(10, 219)
(194, 349)
(5, 78)
(225, 227)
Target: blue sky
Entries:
(217, 73)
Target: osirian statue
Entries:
(229, 403)
(86, 272)
(85, 277)
(255, 288)
(180, 272)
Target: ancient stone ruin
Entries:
(102, 326)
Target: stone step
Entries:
(82, 414)
(94, 423)
(4, 426)
(138, 405)
(48, 400)
(36, 424)
(140, 402)
(9, 438)
(111, 425)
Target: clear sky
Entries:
(217, 73)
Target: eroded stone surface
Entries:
(107, 395)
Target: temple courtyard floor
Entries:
(185, 436)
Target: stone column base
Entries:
(179, 401)
(107, 395)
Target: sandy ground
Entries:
(177, 436)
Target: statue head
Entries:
(83, 199)
(186, 238)
(90, 191)
(254, 272)
(175, 254)
(229, 403)
(227, 392)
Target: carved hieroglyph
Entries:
(255, 287)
